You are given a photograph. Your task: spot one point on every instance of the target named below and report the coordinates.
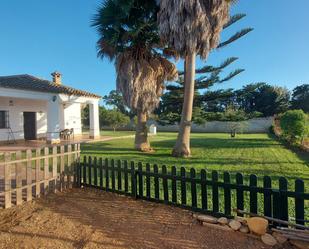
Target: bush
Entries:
(294, 125)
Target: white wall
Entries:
(256, 125)
(72, 117)
(16, 110)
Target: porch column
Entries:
(94, 120)
(53, 120)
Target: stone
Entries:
(279, 237)
(207, 218)
(223, 221)
(216, 226)
(257, 225)
(235, 225)
(242, 220)
(244, 229)
(268, 239)
(299, 244)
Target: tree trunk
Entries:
(141, 135)
(182, 146)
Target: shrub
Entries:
(294, 125)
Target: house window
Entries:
(4, 119)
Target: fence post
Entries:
(267, 196)
(106, 174)
(239, 192)
(90, 170)
(299, 202)
(253, 194)
(101, 172)
(29, 175)
(193, 189)
(204, 189)
(62, 167)
(7, 181)
(227, 193)
(113, 174)
(19, 178)
(69, 173)
(215, 192)
(84, 165)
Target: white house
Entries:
(33, 108)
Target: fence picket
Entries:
(101, 176)
(239, 192)
(183, 186)
(90, 166)
(119, 175)
(147, 181)
(227, 194)
(126, 180)
(7, 181)
(95, 171)
(156, 182)
(253, 194)
(204, 189)
(19, 197)
(29, 175)
(37, 173)
(283, 187)
(106, 174)
(165, 184)
(133, 180)
(174, 185)
(215, 192)
(193, 188)
(267, 196)
(299, 202)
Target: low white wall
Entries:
(257, 125)
(16, 109)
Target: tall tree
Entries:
(129, 36)
(300, 98)
(191, 27)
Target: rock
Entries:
(216, 226)
(244, 229)
(235, 225)
(299, 244)
(268, 239)
(279, 237)
(223, 221)
(257, 225)
(242, 220)
(207, 218)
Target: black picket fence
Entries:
(204, 192)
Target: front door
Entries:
(30, 125)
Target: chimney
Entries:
(56, 78)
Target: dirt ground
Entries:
(83, 218)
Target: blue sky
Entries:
(38, 37)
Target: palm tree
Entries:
(129, 36)
(191, 27)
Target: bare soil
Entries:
(83, 218)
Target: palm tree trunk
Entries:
(182, 146)
(141, 135)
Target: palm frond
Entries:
(233, 19)
(235, 37)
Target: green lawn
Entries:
(249, 154)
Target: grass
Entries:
(257, 154)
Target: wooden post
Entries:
(239, 192)
(165, 184)
(156, 182)
(29, 175)
(227, 194)
(204, 189)
(19, 177)
(193, 188)
(55, 168)
(7, 181)
(215, 192)
(174, 185)
(37, 173)
(183, 186)
(46, 170)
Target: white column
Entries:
(94, 120)
(54, 111)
